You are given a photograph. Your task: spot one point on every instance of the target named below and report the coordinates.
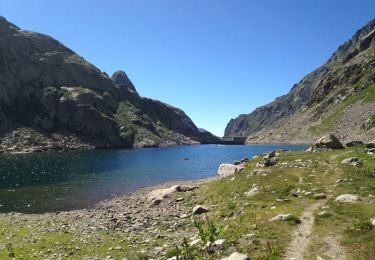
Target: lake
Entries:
(55, 181)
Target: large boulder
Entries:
(347, 199)
(227, 169)
(328, 142)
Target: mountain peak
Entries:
(121, 79)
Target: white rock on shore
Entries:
(156, 196)
(227, 169)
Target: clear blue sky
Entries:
(214, 59)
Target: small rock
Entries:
(261, 171)
(370, 144)
(324, 214)
(285, 217)
(252, 192)
(266, 163)
(354, 161)
(354, 143)
(236, 256)
(270, 155)
(320, 196)
(195, 242)
(244, 160)
(249, 236)
(197, 210)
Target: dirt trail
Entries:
(332, 248)
(301, 235)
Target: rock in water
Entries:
(347, 198)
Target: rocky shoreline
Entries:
(141, 217)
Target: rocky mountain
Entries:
(51, 98)
(338, 97)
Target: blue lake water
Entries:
(53, 181)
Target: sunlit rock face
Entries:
(349, 72)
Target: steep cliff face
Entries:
(51, 98)
(336, 97)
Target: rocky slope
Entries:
(51, 98)
(338, 97)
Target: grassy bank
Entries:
(241, 220)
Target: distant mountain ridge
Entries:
(337, 97)
(52, 99)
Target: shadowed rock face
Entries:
(349, 71)
(50, 97)
(121, 79)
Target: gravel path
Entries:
(301, 236)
